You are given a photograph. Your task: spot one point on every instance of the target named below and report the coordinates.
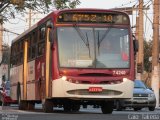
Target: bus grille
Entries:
(86, 92)
(140, 95)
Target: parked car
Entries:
(142, 97)
(5, 94)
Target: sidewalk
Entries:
(4, 108)
(158, 108)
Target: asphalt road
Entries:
(12, 113)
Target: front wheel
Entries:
(22, 104)
(30, 105)
(67, 107)
(151, 108)
(75, 108)
(107, 107)
(136, 109)
(118, 106)
(47, 105)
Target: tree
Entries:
(8, 8)
(5, 54)
(62, 4)
(147, 55)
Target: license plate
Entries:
(141, 101)
(95, 89)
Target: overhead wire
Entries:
(127, 3)
(147, 18)
(145, 5)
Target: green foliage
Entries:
(63, 4)
(5, 54)
(8, 9)
(147, 54)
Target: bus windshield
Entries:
(93, 47)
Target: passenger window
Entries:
(41, 48)
(20, 59)
(12, 60)
(42, 33)
(32, 42)
(34, 38)
(33, 51)
(41, 42)
(29, 49)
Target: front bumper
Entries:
(65, 89)
(139, 102)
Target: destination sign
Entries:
(111, 18)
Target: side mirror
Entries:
(135, 44)
(151, 89)
(50, 26)
(51, 38)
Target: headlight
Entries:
(64, 78)
(125, 79)
(151, 95)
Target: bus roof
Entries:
(89, 10)
(24, 33)
(56, 12)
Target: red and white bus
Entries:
(64, 60)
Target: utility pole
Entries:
(155, 52)
(137, 28)
(137, 35)
(30, 17)
(140, 60)
(1, 39)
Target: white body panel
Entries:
(13, 92)
(16, 75)
(60, 88)
(31, 81)
(31, 91)
(31, 71)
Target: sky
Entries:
(20, 24)
(105, 3)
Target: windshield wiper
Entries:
(105, 34)
(98, 42)
(85, 40)
(87, 44)
(139, 87)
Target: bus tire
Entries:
(30, 105)
(18, 92)
(1, 99)
(47, 105)
(107, 107)
(118, 106)
(22, 104)
(75, 108)
(67, 107)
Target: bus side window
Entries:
(16, 53)
(42, 33)
(41, 48)
(41, 41)
(11, 59)
(29, 48)
(33, 44)
(21, 51)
